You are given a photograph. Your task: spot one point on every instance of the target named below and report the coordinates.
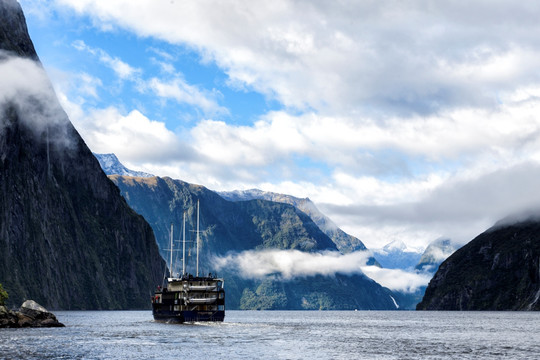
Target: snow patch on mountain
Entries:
(112, 166)
(397, 255)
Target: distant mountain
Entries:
(498, 270)
(228, 226)
(436, 252)
(344, 242)
(68, 240)
(112, 166)
(396, 255)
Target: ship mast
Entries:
(197, 238)
(184, 247)
(171, 264)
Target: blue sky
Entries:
(401, 120)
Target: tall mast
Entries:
(170, 264)
(197, 238)
(184, 247)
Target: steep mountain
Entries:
(68, 239)
(235, 227)
(112, 166)
(435, 253)
(396, 255)
(345, 243)
(498, 270)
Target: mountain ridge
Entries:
(257, 224)
(345, 243)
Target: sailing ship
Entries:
(187, 297)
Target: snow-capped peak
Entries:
(112, 166)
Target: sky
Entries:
(406, 121)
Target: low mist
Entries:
(26, 89)
(290, 264)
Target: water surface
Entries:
(282, 335)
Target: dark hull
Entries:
(188, 316)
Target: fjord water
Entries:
(282, 335)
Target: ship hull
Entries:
(181, 317)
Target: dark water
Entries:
(282, 335)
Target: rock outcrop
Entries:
(30, 314)
(498, 270)
(67, 237)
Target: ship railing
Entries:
(201, 287)
(207, 300)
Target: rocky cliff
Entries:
(67, 237)
(498, 270)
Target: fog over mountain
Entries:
(396, 255)
(436, 252)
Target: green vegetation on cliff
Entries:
(3, 295)
(229, 226)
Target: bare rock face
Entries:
(30, 314)
(67, 237)
(498, 270)
(13, 32)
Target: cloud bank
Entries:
(400, 120)
(415, 57)
(27, 90)
(289, 264)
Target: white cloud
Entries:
(397, 279)
(290, 264)
(424, 116)
(131, 136)
(182, 92)
(370, 57)
(27, 90)
(81, 87)
(122, 69)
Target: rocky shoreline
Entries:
(30, 314)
